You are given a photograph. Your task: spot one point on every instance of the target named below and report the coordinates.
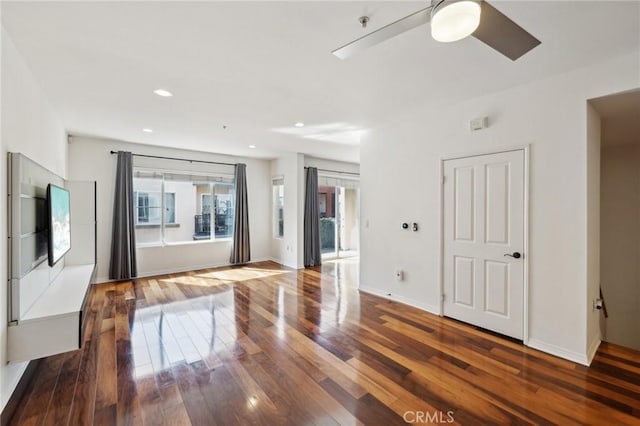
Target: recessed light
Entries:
(299, 124)
(147, 130)
(163, 93)
(252, 146)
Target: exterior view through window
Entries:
(172, 207)
(278, 207)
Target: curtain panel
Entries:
(123, 264)
(312, 254)
(240, 250)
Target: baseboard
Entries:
(591, 353)
(287, 264)
(401, 299)
(19, 392)
(580, 358)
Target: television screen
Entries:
(59, 225)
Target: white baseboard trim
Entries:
(580, 358)
(283, 263)
(401, 299)
(591, 353)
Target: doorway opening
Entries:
(619, 244)
(339, 205)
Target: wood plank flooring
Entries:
(266, 345)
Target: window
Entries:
(148, 207)
(173, 207)
(278, 207)
(205, 201)
(223, 204)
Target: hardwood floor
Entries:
(267, 345)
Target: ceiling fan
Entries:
(452, 20)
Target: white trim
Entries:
(441, 231)
(157, 244)
(558, 351)
(591, 352)
(283, 263)
(432, 309)
(525, 248)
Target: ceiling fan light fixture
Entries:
(453, 20)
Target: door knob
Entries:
(515, 255)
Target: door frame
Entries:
(525, 249)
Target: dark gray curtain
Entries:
(240, 251)
(123, 264)
(312, 252)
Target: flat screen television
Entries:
(58, 207)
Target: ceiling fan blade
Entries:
(496, 30)
(400, 26)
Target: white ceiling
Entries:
(259, 67)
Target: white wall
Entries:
(400, 181)
(89, 159)
(285, 250)
(29, 126)
(593, 230)
(620, 237)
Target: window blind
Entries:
(182, 177)
(338, 181)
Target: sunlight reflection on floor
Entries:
(224, 278)
(243, 274)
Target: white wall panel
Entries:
(497, 203)
(464, 204)
(497, 287)
(464, 281)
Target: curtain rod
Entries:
(178, 159)
(336, 171)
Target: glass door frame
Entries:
(337, 229)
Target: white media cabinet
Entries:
(47, 304)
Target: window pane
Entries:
(155, 206)
(147, 214)
(179, 210)
(278, 206)
(202, 218)
(326, 204)
(169, 207)
(172, 207)
(223, 205)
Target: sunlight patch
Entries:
(243, 274)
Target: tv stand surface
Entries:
(54, 323)
(64, 296)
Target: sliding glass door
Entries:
(339, 201)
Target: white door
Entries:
(483, 241)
